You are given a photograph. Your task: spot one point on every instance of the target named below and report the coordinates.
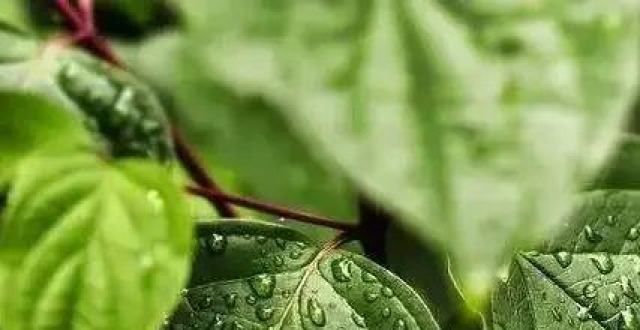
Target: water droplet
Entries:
(629, 319)
(153, 197)
(316, 313)
(603, 263)
(341, 269)
(583, 313)
(399, 324)
(261, 239)
(371, 296)
(613, 299)
(611, 220)
(368, 277)
(555, 312)
(628, 289)
(216, 243)
(386, 312)
(281, 243)
(633, 234)
(590, 291)
(386, 291)
(263, 285)
(563, 258)
(358, 320)
(251, 300)
(231, 299)
(264, 313)
(591, 235)
(278, 261)
(295, 254)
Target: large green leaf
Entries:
(240, 133)
(29, 122)
(276, 278)
(587, 274)
(122, 113)
(469, 118)
(90, 244)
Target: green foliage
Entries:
(276, 278)
(91, 244)
(448, 112)
(242, 133)
(28, 122)
(123, 114)
(586, 275)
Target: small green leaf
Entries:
(87, 244)
(122, 113)
(275, 278)
(29, 122)
(468, 118)
(588, 271)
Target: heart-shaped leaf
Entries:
(587, 275)
(275, 278)
(90, 244)
(469, 118)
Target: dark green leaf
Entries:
(622, 171)
(588, 270)
(86, 244)
(276, 278)
(123, 114)
(468, 118)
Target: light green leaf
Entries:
(588, 270)
(89, 244)
(29, 122)
(123, 114)
(468, 118)
(275, 278)
(242, 134)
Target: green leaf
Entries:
(29, 122)
(588, 270)
(122, 113)
(88, 244)
(239, 133)
(621, 171)
(469, 118)
(276, 278)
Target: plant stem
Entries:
(199, 175)
(274, 209)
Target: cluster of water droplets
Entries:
(121, 114)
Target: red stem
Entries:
(273, 209)
(199, 175)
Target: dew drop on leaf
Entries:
(358, 320)
(628, 289)
(399, 324)
(316, 313)
(251, 300)
(633, 234)
(263, 285)
(590, 291)
(341, 269)
(613, 299)
(563, 258)
(368, 277)
(583, 314)
(386, 312)
(611, 220)
(603, 263)
(386, 291)
(371, 296)
(216, 244)
(231, 299)
(264, 313)
(591, 235)
(261, 239)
